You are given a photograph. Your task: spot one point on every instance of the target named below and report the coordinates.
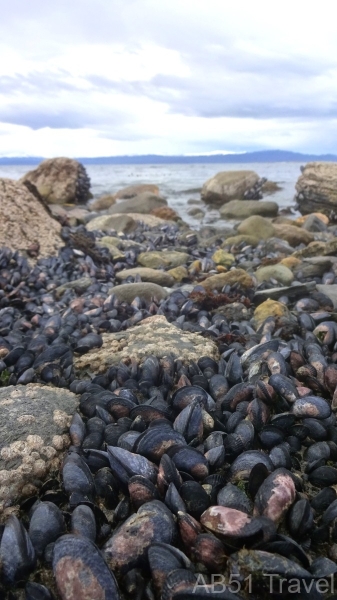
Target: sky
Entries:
(112, 77)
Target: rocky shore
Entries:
(168, 395)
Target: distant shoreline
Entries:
(263, 156)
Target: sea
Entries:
(179, 183)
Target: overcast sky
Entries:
(107, 77)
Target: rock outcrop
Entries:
(228, 185)
(25, 223)
(34, 429)
(317, 189)
(60, 181)
(153, 336)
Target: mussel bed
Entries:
(216, 478)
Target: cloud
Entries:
(170, 76)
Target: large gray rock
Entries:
(228, 185)
(147, 274)
(33, 436)
(25, 221)
(143, 203)
(127, 292)
(317, 188)
(242, 209)
(153, 336)
(60, 181)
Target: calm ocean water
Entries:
(178, 183)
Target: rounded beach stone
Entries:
(217, 282)
(258, 227)
(279, 272)
(270, 308)
(127, 292)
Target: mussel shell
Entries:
(188, 394)
(142, 490)
(275, 496)
(155, 441)
(81, 572)
(125, 464)
(17, 554)
(83, 522)
(195, 498)
(46, 525)
(189, 460)
(311, 407)
(241, 467)
(231, 496)
(36, 591)
(163, 559)
(209, 551)
(128, 546)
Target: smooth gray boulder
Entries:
(228, 185)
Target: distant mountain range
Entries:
(262, 156)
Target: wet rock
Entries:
(167, 258)
(154, 336)
(196, 212)
(127, 292)
(301, 220)
(24, 220)
(103, 202)
(227, 185)
(77, 215)
(150, 220)
(279, 272)
(134, 190)
(242, 209)
(217, 282)
(122, 243)
(60, 181)
(258, 227)
(317, 188)
(330, 291)
(275, 244)
(270, 187)
(293, 235)
(166, 213)
(34, 428)
(80, 285)
(119, 223)
(311, 267)
(314, 224)
(291, 262)
(178, 273)
(142, 203)
(235, 240)
(147, 274)
(235, 311)
(115, 254)
(270, 308)
(317, 248)
(220, 257)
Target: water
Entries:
(178, 183)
